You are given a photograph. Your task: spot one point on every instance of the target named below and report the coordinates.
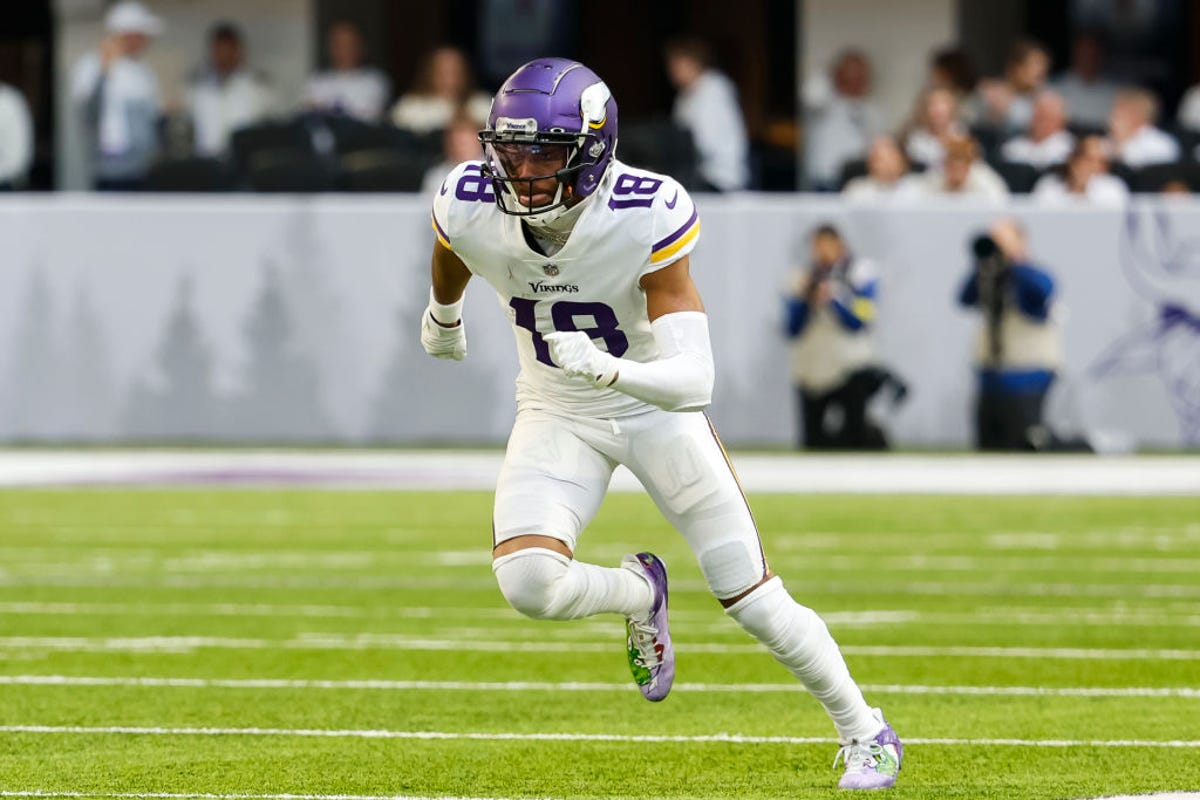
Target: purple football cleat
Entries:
(872, 764)
(651, 657)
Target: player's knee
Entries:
(769, 614)
(529, 580)
(732, 567)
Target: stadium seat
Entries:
(1153, 177)
(245, 143)
(854, 168)
(382, 170)
(1019, 177)
(289, 170)
(191, 175)
(661, 146)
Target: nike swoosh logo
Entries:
(674, 200)
(443, 187)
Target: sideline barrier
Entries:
(295, 319)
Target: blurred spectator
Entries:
(1083, 179)
(1188, 117)
(225, 94)
(1088, 94)
(1007, 105)
(830, 310)
(886, 165)
(839, 118)
(1135, 140)
(962, 174)
(118, 95)
(1018, 348)
(1176, 187)
(936, 119)
(950, 68)
(460, 142)
(16, 138)
(707, 106)
(348, 86)
(1048, 141)
(443, 90)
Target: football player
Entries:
(589, 258)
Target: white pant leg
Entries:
(680, 461)
(552, 483)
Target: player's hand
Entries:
(442, 342)
(579, 357)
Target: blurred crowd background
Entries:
(1084, 100)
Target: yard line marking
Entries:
(578, 686)
(723, 738)
(1097, 616)
(324, 641)
(212, 796)
(372, 583)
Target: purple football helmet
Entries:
(552, 119)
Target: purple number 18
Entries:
(563, 314)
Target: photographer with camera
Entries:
(830, 311)
(1018, 349)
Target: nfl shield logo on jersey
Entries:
(550, 269)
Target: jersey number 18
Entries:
(563, 316)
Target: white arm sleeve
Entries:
(681, 378)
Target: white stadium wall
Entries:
(295, 319)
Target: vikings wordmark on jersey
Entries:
(635, 223)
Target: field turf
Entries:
(258, 643)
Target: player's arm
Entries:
(442, 331)
(681, 378)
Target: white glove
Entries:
(440, 341)
(579, 357)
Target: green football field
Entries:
(264, 643)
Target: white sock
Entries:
(543, 584)
(799, 640)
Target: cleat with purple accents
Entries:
(872, 764)
(648, 642)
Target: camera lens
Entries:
(984, 246)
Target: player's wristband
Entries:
(445, 315)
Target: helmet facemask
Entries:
(521, 166)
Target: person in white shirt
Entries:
(839, 118)
(936, 119)
(1083, 180)
(886, 166)
(1087, 93)
(1189, 110)
(1007, 104)
(118, 96)
(348, 86)
(707, 106)
(225, 95)
(16, 138)
(962, 174)
(1134, 139)
(1048, 141)
(444, 89)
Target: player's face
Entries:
(534, 167)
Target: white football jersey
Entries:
(635, 223)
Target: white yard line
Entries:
(327, 641)
(1098, 616)
(722, 738)
(213, 796)
(375, 583)
(535, 686)
(436, 470)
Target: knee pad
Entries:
(530, 580)
(770, 615)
